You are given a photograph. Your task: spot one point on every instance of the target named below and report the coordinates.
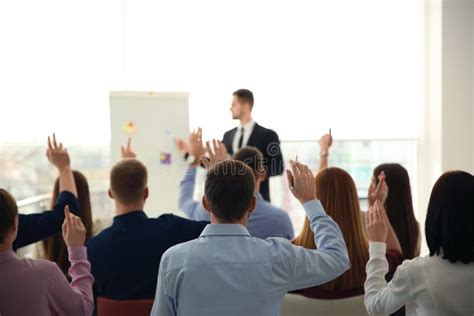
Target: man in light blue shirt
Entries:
(266, 221)
(228, 272)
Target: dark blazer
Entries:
(267, 141)
(125, 257)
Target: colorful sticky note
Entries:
(129, 128)
(165, 158)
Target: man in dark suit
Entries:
(249, 133)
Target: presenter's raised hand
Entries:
(127, 151)
(301, 182)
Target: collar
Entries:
(225, 230)
(130, 216)
(7, 255)
(248, 126)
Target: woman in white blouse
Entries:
(441, 283)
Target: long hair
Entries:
(337, 192)
(55, 248)
(399, 207)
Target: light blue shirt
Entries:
(265, 221)
(227, 272)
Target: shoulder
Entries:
(176, 257)
(103, 237)
(229, 132)
(277, 213)
(265, 131)
(40, 265)
(178, 220)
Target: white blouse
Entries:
(425, 285)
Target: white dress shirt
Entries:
(425, 285)
(248, 129)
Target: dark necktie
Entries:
(241, 139)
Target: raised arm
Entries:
(325, 143)
(186, 203)
(35, 227)
(59, 157)
(75, 298)
(381, 298)
(312, 267)
(127, 151)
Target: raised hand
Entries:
(74, 232)
(57, 154)
(379, 191)
(195, 146)
(181, 145)
(127, 152)
(216, 152)
(377, 223)
(301, 182)
(325, 142)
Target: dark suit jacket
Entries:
(267, 141)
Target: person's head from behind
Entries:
(337, 192)
(242, 104)
(8, 220)
(253, 158)
(229, 192)
(399, 206)
(55, 248)
(128, 184)
(449, 225)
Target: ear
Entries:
(253, 203)
(262, 176)
(146, 193)
(205, 204)
(111, 195)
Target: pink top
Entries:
(38, 287)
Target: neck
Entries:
(121, 209)
(216, 220)
(245, 119)
(6, 246)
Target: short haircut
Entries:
(245, 95)
(449, 225)
(8, 213)
(229, 189)
(253, 158)
(128, 181)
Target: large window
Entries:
(353, 66)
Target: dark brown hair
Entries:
(229, 189)
(253, 158)
(8, 213)
(244, 95)
(54, 247)
(449, 225)
(337, 192)
(399, 207)
(128, 181)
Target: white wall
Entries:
(447, 115)
(457, 84)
